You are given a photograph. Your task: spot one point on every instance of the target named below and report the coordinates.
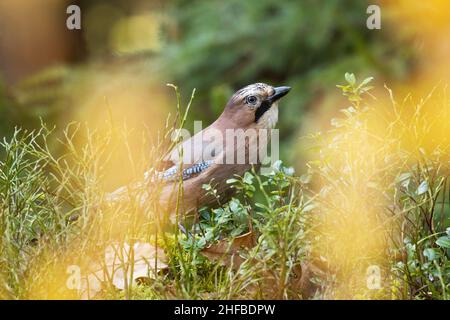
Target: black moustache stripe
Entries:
(263, 108)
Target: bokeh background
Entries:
(116, 67)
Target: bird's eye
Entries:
(251, 99)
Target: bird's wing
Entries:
(188, 159)
(184, 172)
(185, 161)
(189, 151)
(173, 174)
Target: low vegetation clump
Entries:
(367, 219)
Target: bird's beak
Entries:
(279, 93)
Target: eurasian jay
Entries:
(230, 146)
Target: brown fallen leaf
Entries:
(121, 266)
(306, 285)
(301, 282)
(226, 251)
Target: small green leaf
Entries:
(365, 89)
(277, 165)
(248, 178)
(309, 207)
(443, 242)
(423, 187)
(430, 253)
(404, 176)
(365, 81)
(289, 171)
(234, 205)
(350, 78)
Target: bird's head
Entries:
(255, 105)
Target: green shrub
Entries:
(376, 193)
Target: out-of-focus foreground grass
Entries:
(370, 218)
(367, 217)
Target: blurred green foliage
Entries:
(220, 46)
(308, 45)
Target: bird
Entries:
(229, 147)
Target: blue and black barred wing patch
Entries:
(169, 175)
(172, 174)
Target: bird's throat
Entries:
(263, 108)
